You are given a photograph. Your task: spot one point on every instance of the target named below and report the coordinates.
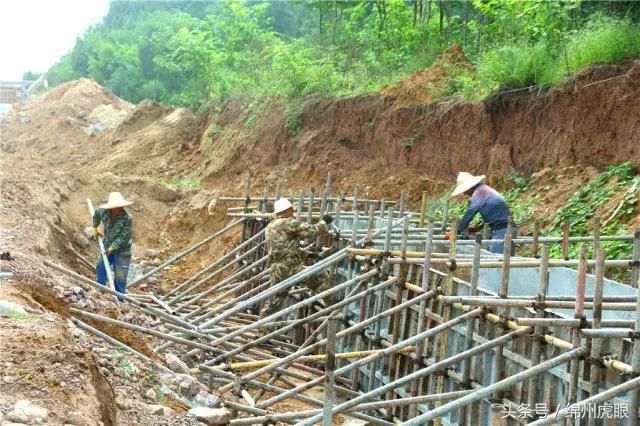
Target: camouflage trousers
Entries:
(280, 272)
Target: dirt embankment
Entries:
(593, 120)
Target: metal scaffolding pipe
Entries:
(501, 385)
(628, 386)
(304, 350)
(182, 254)
(393, 349)
(208, 268)
(445, 363)
(270, 418)
(341, 334)
(141, 305)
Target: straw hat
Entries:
(116, 200)
(466, 181)
(281, 205)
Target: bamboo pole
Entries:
(503, 312)
(574, 367)
(208, 278)
(465, 412)
(634, 398)
(141, 329)
(434, 368)
(627, 386)
(141, 305)
(443, 342)
(535, 383)
(182, 254)
(305, 350)
(86, 327)
(306, 399)
(270, 418)
(395, 333)
(329, 372)
(496, 387)
(378, 355)
(523, 303)
(205, 270)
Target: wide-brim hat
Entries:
(281, 205)
(115, 200)
(465, 182)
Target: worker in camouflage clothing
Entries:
(117, 225)
(286, 256)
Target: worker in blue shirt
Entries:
(488, 202)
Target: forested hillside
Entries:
(196, 53)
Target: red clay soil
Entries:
(421, 86)
(592, 120)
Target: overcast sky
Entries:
(34, 34)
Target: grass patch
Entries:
(255, 110)
(409, 142)
(193, 181)
(512, 67)
(292, 115)
(20, 315)
(603, 41)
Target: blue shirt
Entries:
(491, 206)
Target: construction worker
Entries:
(117, 225)
(488, 202)
(286, 257)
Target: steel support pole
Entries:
(466, 411)
(434, 368)
(182, 254)
(634, 400)
(629, 386)
(500, 386)
(329, 374)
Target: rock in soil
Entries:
(24, 411)
(151, 394)
(176, 364)
(211, 416)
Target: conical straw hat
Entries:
(466, 181)
(116, 200)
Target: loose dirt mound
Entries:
(421, 86)
(143, 115)
(85, 94)
(154, 149)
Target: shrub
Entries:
(602, 41)
(513, 67)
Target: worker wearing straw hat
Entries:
(488, 202)
(117, 225)
(286, 256)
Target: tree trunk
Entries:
(464, 29)
(320, 16)
(382, 13)
(415, 12)
(335, 20)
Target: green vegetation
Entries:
(126, 366)
(613, 194)
(196, 53)
(193, 181)
(580, 209)
(20, 315)
(409, 142)
(517, 186)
